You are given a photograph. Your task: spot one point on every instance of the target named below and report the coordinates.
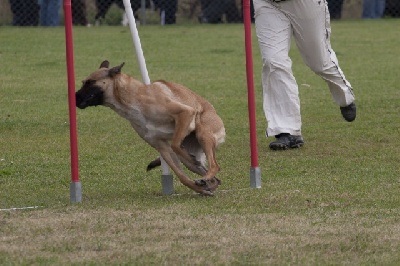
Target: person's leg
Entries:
(380, 8)
(168, 11)
(43, 12)
(136, 5)
(79, 16)
(102, 8)
(281, 101)
(29, 12)
(335, 8)
(311, 26)
(340, 7)
(212, 11)
(53, 12)
(232, 12)
(21, 9)
(170, 17)
(332, 8)
(368, 9)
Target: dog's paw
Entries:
(213, 184)
(209, 186)
(203, 188)
(200, 182)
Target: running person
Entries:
(308, 21)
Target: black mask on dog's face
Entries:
(89, 95)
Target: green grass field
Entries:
(335, 201)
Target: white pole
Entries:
(136, 41)
(167, 182)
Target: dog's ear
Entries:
(115, 70)
(105, 64)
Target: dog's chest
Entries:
(149, 128)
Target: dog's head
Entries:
(94, 87)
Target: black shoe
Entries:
(349, 112)
(286, 141)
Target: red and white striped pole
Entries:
(75, 187)
(255, 173)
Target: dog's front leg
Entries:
(170, 158)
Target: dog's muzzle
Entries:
(80, 103)
(88, 97)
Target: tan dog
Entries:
(180, 124)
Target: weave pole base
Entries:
(255, 177)
(75, 190)
(167, 183)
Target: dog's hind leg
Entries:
(192, 146)
(184, 117)
(170, 158)
(208, 143)
(195, 168)
(213, 168)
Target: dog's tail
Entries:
(153, 164)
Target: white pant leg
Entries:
(280, 91)
(311, 28)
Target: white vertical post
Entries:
(166, 177)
